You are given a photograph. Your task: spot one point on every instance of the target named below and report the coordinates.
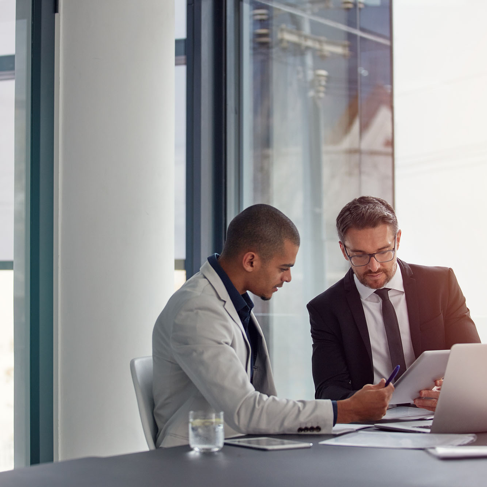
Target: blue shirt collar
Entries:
(240, 301)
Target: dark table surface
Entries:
(235, 466)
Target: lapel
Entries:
(410, 288)
(262, 379)
(355, 305)
(214, 279)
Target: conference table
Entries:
(242, 467)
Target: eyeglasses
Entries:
(363, 259)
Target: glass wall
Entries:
(180, 145)
(316, 132)
(6, 371)
(441, 146)
(7, 103)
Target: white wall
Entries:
(114, 232)
(441, 141)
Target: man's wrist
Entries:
(345, 412)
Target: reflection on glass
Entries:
(7, 104)
(375, 18)
(180, 145)
(375, 119)
(329, 12)
(317, 132)
(180, 164)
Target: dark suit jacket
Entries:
(342, 356)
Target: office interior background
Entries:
(311, 103)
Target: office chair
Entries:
(141, 369)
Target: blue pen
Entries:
(393, 375)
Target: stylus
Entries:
(394, 373)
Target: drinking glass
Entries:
(206, 431)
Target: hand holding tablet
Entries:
(428, 398)
(422, 374)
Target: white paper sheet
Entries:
(415, 441)
(342, 428)
(405, 413)
(456, 452)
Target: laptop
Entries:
(462, 406)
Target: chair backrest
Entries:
(141, 369)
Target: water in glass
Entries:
(206, 431)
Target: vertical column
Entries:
(33, 275)
(114, 207)
(206, 142)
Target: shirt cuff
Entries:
(335, 412)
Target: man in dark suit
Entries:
(384, 312)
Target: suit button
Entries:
(311, 429)
(317, 429)
(306, 429)
(300, 430)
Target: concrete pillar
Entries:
(114, 207)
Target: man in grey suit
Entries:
(209, 350)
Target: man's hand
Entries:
(428, 398)
(368, 404)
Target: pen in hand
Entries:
(393, 375)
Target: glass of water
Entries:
(206, 431)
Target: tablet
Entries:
(430, 365)
(265, 443)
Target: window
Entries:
(441, 167)
(7, 103)
(316, 131)
(180, 146)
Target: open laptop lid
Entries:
(462, 406)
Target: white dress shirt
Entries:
(375, 323)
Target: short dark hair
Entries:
(365, 212)
(261, 229)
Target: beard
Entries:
(388, 274)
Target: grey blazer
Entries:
(201, 360)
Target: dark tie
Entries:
(392, 331)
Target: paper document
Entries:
(342, 428)
(414, 441)
(453, 452)
(405, 413)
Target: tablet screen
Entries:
(429, 366)
(265, 443)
